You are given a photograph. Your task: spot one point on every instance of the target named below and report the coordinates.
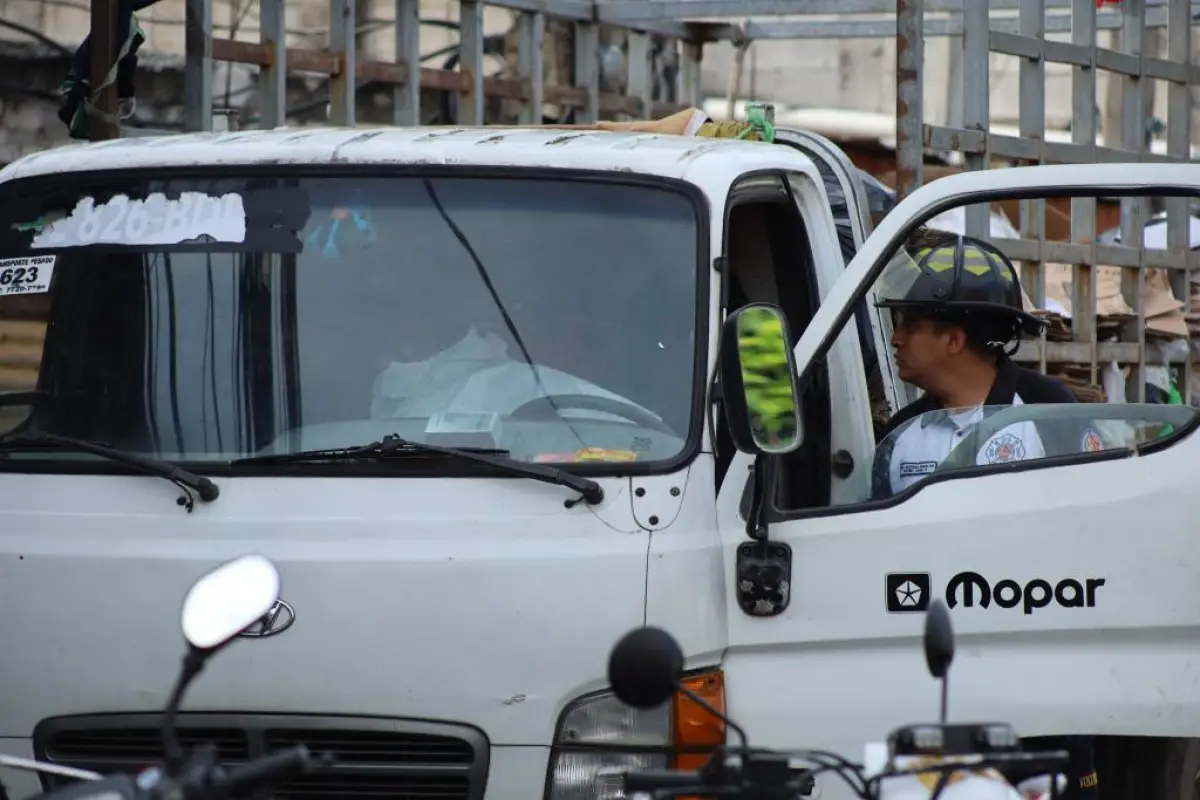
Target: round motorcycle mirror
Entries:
(939, 639)
(228, 600)
(939, 647)
(644, 667)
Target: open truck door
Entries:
(1073, 578)
(851, 214)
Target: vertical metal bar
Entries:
(640, 84)
(976, 108)
(104, 48)
(1179, 145)
(587, 69)
(954, 79)
(1084, 126)
(532, 33)
(342, 44)
(1133, 137)
(691, 90)
(1032, 125)
(198, 67)
(406, 98)
(470, 62)
(910, 71)
(272, 78)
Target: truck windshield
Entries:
(221, 317)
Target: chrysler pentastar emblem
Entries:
(277, 620)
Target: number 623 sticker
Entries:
(26, 275)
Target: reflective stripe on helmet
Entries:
(937, 260)
(978, 261)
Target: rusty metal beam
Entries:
(323, 62)
(910, 57)
(104, 48)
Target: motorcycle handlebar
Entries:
(653, 780)
(267, 770)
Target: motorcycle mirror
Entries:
(645, 670)
(644, 667)
(939, 645)
(228, 600)
(219, 606)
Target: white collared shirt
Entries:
(925, 441)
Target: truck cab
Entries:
(459, 385)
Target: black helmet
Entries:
(964, 280)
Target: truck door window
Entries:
(996, 341)
(1010, 434)
(770, 261)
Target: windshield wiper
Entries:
(204, 488)
(393, 446)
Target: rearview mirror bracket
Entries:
(763, 567)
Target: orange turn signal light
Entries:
(695, 732)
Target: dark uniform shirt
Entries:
(1013, 382)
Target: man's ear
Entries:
(956, 340)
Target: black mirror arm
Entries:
(761, 476)
(193, 663)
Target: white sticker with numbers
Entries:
(155, 220)
(26, 275)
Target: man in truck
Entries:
(957, 317)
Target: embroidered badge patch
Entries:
(910, 469)
(1003, 448)
(1091, 442)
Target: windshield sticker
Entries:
(585, 455)
(26, 275)
(155, 220)
(345, 224)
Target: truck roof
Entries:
(555, 148)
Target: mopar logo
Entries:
(971, 589)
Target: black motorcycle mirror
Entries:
(939, 646)
(218, 607)
(645, 669)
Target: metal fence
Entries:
(345, 69)
(1135, 69)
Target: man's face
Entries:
(923, 347)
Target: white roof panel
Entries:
(553, 148)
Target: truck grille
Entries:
(376, 758)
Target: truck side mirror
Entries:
(758, 380)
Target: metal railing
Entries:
(1134, 68)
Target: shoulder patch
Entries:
(1090, 443)
(1003, 448)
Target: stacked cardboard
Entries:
(688, 122)
(1164, 312)
(1079, 380)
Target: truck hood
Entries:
(481, 601)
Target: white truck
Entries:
(244, 310)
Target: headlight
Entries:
(599, 739)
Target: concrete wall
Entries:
(859, 74)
